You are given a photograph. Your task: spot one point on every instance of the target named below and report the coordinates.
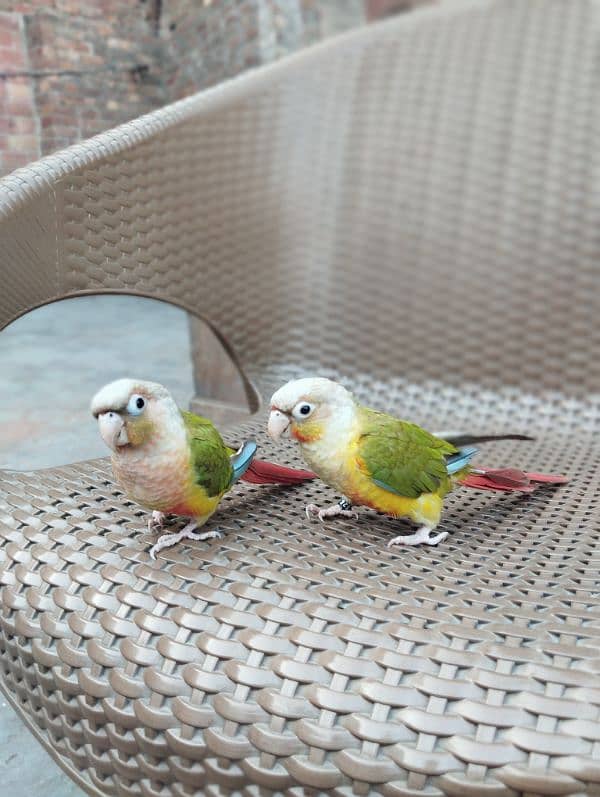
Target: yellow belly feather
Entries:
(335, 460)
(426, 509)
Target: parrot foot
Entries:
(186, 533)
(156, 521)
(422, 536)
(337, 510)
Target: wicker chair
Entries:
(412, 208)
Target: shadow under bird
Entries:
(174, 462)
(382, 462)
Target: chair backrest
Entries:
(418, 198)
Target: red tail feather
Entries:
(261, 472)
(509, 479)
(548, 478)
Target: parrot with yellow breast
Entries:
(382, 462)
(174, 462)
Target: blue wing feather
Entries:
(240, 461)
(463, 456)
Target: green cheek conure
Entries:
(174, 462)
(379, 461)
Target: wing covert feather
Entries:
(400, 456)
(209, 454)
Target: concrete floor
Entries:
(52, 361)
(27, 769)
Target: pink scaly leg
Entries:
(342, 509)
(187, 533)
(421, 537)
(156, 521)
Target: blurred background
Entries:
(72, 68)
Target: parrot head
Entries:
(307, 408)
(131, 413)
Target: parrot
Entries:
(379, 461)
(174, 462)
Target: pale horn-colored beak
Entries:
(278, 424)
(112, 430)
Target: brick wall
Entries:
(72, 68)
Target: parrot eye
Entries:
(136, 404)
(302, 410)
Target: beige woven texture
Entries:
(412, 208)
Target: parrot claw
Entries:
(421, 537)
(312, 510)
(156, 521)
(186, 533)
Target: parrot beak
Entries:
(112, 430)
(278, 424)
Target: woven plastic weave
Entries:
(412, 208)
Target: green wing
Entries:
(401, 457)
(210, 455)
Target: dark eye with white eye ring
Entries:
(302, 410)
(136, 404)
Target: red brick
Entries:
(68, 133)
(9, 22)
(198, 44)
(9, 38)
(19, 89)
(21, 143)
(30, 6)
(13, 160)
(19, 108)
(12, 46)
(17, 99)
(11, 60)
(18, 125)
(55, 119)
